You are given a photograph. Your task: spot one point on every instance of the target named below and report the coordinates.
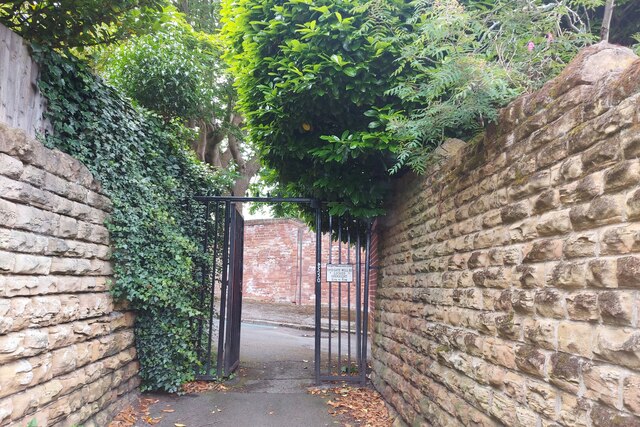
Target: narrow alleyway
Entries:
(269, 390)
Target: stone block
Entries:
(546, 201)
(570, 275)
(632, 205)
(620, 346)
(602, 273)
(30, 264)
(522, 301)
(543, 250)
(7, 261)
(602, 155)
(628, 272)
(602, 416)
(550, 302)
(583, 306)
(515, 212)
(565, 371)
(571, 169)
(622, 175)
(576, 338)
(584, 190)
(8, 213)
(542, 398)
(10, 166)
(499, 352)
(621, 240)
(554, 223)
(530, 276)
(602, 211)
(616, 307)
(602, 383)
(631, 393)
(540, 332)
(508, 326)
(580, 245)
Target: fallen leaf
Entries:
(168, 410)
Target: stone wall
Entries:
(510, 282)
(67, 353)
(21, 104)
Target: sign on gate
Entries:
(339, 272)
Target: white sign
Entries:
(339, 273)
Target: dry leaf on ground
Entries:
(202, 386)
(363, 405)
(129, 415)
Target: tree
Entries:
(177, 71)
(606, 21)
(306, 72)
(340, 94)
(76, 23)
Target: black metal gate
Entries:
(341, 291)
(342, 300)
(219, 272)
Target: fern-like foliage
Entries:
(462, 60)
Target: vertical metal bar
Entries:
(330, 285)
(358, 303)
(205, 274)
(365, 323)
(299, 293)
(339, 298)
(318, 291)
(349, 287)
(216, 231)
(232, 339)
(223, 291)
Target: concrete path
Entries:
(270, 389)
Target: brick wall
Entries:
(67, 353)
(279, 263)
(510, 280)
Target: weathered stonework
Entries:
(510, 278)
(67, 353)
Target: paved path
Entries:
(270, 389)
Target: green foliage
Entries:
(459, 64)
(305, 72)
(340, 94)
(202, 15)
(151, 176)
(174, 71)
(74, 23)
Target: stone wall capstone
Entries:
(510, 277)
(67, 354)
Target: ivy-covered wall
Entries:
(110, 223)
(510, 277)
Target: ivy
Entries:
(148, 171)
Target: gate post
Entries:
(317, 206)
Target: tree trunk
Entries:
(606, 20)
(208, 149)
